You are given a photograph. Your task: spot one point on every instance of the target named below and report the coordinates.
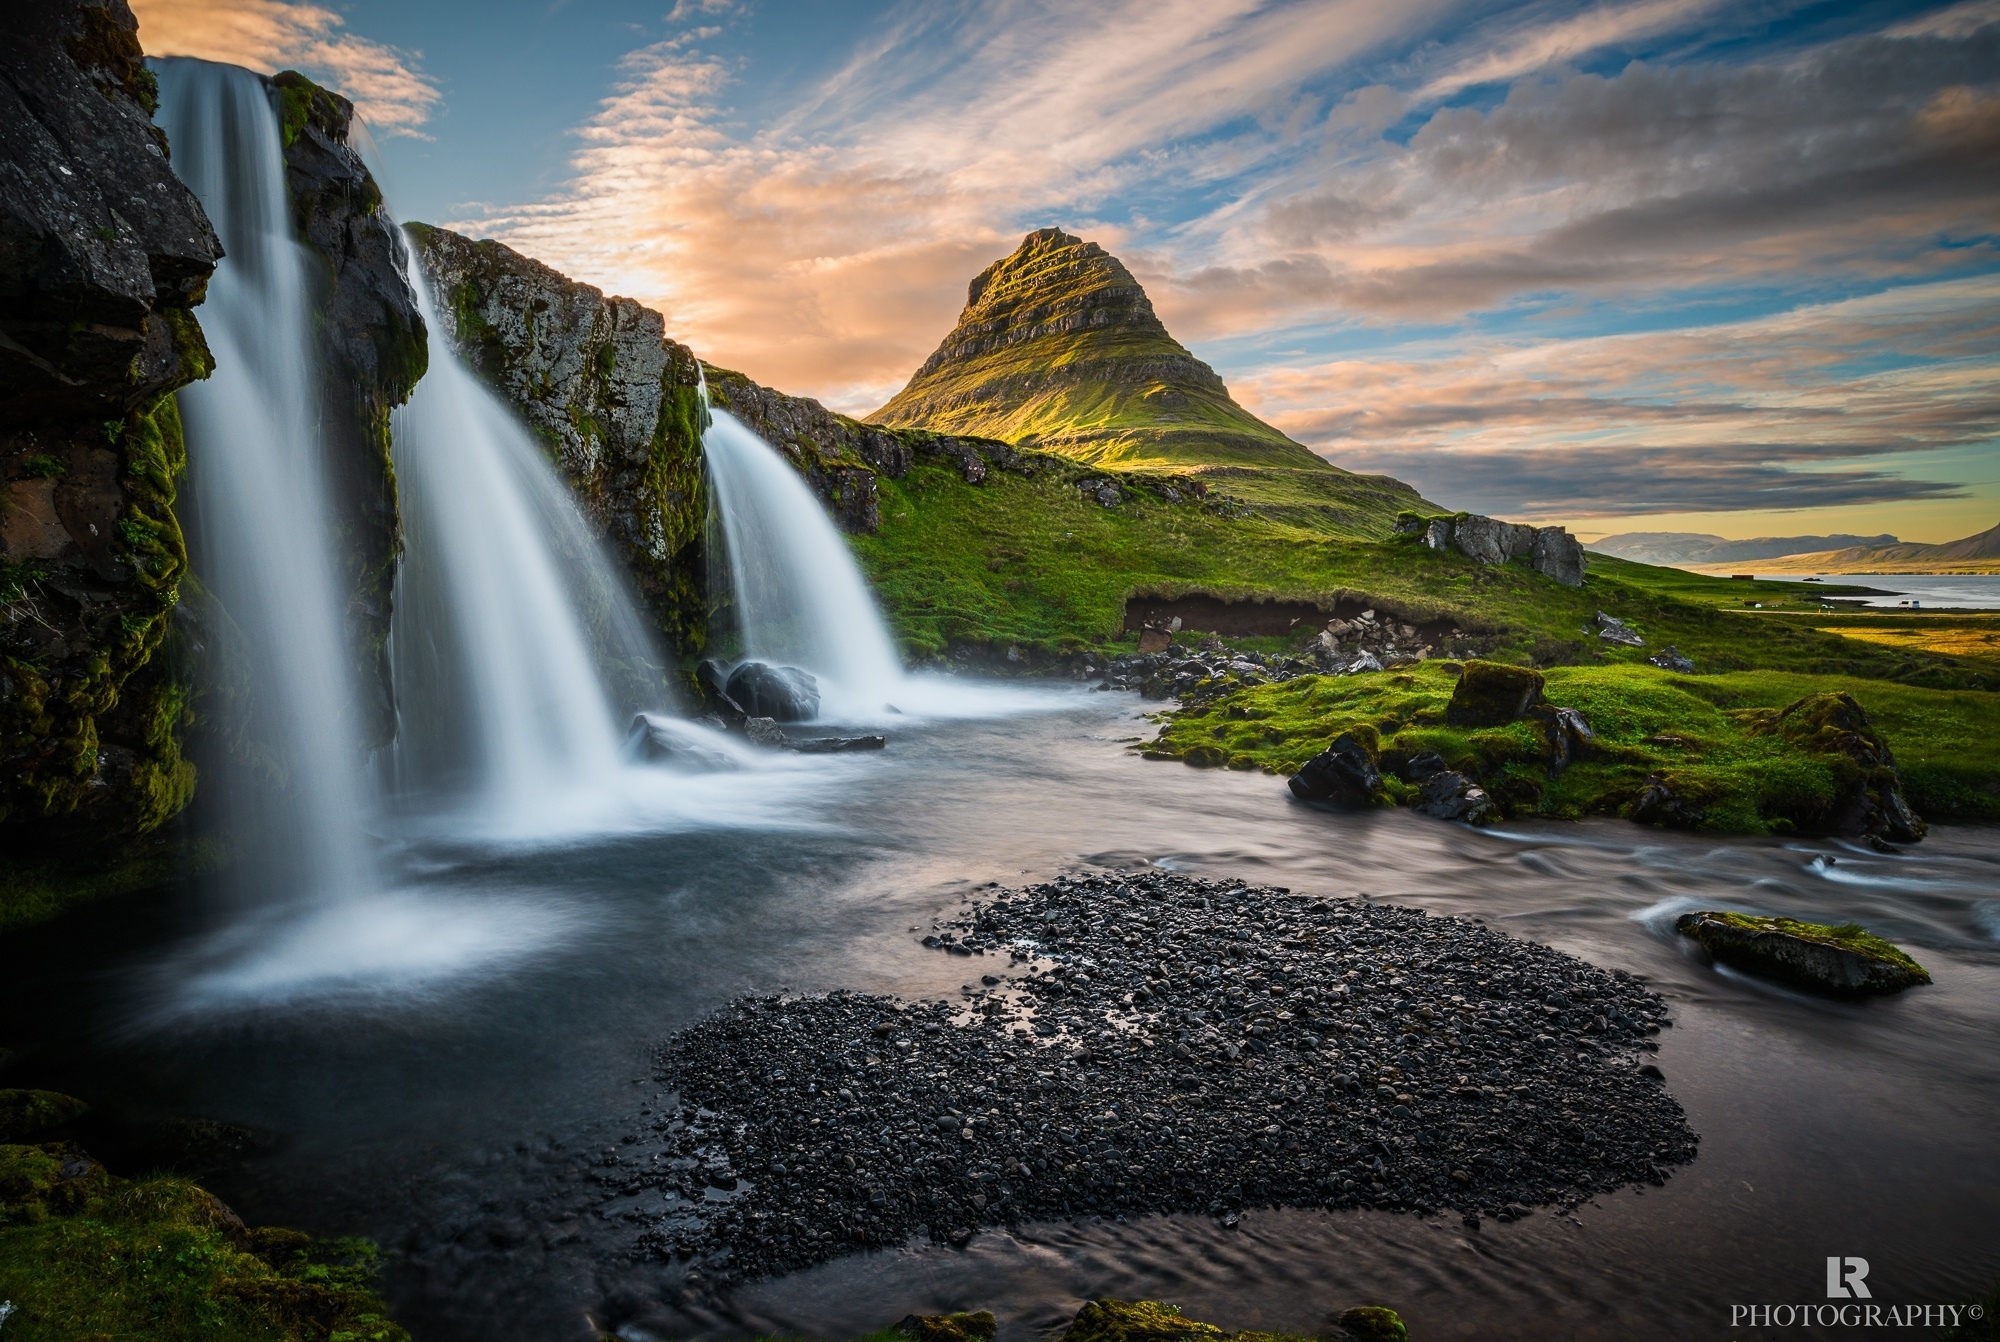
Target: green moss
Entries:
(1150, 1321)
(33, 1113)
(1729, 765)
(977, 1326)
(84, 1255)
(1492, 694)
(302, 103)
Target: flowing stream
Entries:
(462, 1123)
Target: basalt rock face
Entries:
(1060, 348)
(103, 255)
(373, 350)
(842, 457)
(613, 400)
(1550, 551)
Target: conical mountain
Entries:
(1059, 348)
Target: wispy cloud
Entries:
(1792, 411)
(1524, 49)
(387, 85)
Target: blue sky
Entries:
(1662, 264)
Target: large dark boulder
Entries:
(103, 256)
(1493, 694)
(781, 693)
(1345, 773)
(1868, 795)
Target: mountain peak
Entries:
(1059, 348)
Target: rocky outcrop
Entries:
(103, 256)
(1550, 551)
(1059, 348)
(1845, 960)
(841, 457)
(1868, 789)
(373, 350)
(615, 402)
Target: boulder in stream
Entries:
(1847, 959)
(1345, 773)
(781, 693)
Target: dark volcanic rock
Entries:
(781, 693)
(1345, 773)
(616, 402)
(1869, 789)
(1152, 1043)
(375, 348)
(1844, 960)
(103, 255)
(1448, 795)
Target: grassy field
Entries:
(1708, 737)
(1027, 560)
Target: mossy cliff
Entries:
(614, 402)
(103, 256)
(1059, 348)
(373, 349)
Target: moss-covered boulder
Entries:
(1152, 1321)
(1346, 773)
(1493, 694)
(31, 1113)
(1868, 790)
(976, 1326)
(1374, 1323)
(84, 1254)
(1846, 959)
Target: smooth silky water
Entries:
(452, 1120)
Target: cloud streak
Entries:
(388, 86)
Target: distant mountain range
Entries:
(1969, 554)
(1677, 548)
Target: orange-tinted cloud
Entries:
(388, 86)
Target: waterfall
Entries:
(800, 597)
(518, 654)
(260, 536)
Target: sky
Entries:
(1629, 266)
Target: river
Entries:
(435, 1064)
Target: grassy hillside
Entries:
(1029, 560)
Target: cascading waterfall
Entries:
(517, 652)
(800, 597)
(261, 538)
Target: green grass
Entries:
(1027, 560)
(1711, 739)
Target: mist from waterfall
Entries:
(260, 534)
(800, 599)
(518, 653)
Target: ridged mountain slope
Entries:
(1059, 348)
(1976, 553)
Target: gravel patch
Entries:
(1150, 1043)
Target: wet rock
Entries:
(782, 693)
(1492, 694)
(1843, 960)
(977, 1326)
(765, 732)
(669, 741)
(1345, 773)
(836, 745)
(1158, 1043)
(1658, 804)
(1614, 630)
(1672, 659)
(1449, 795)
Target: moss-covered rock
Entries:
(976, 1326)
(103, 254)
(32, 1113)
(1493, 694)
(1868, 795)
(86, 1255)
(1374, 1323)
(1846, 959)
(1152, 1321)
